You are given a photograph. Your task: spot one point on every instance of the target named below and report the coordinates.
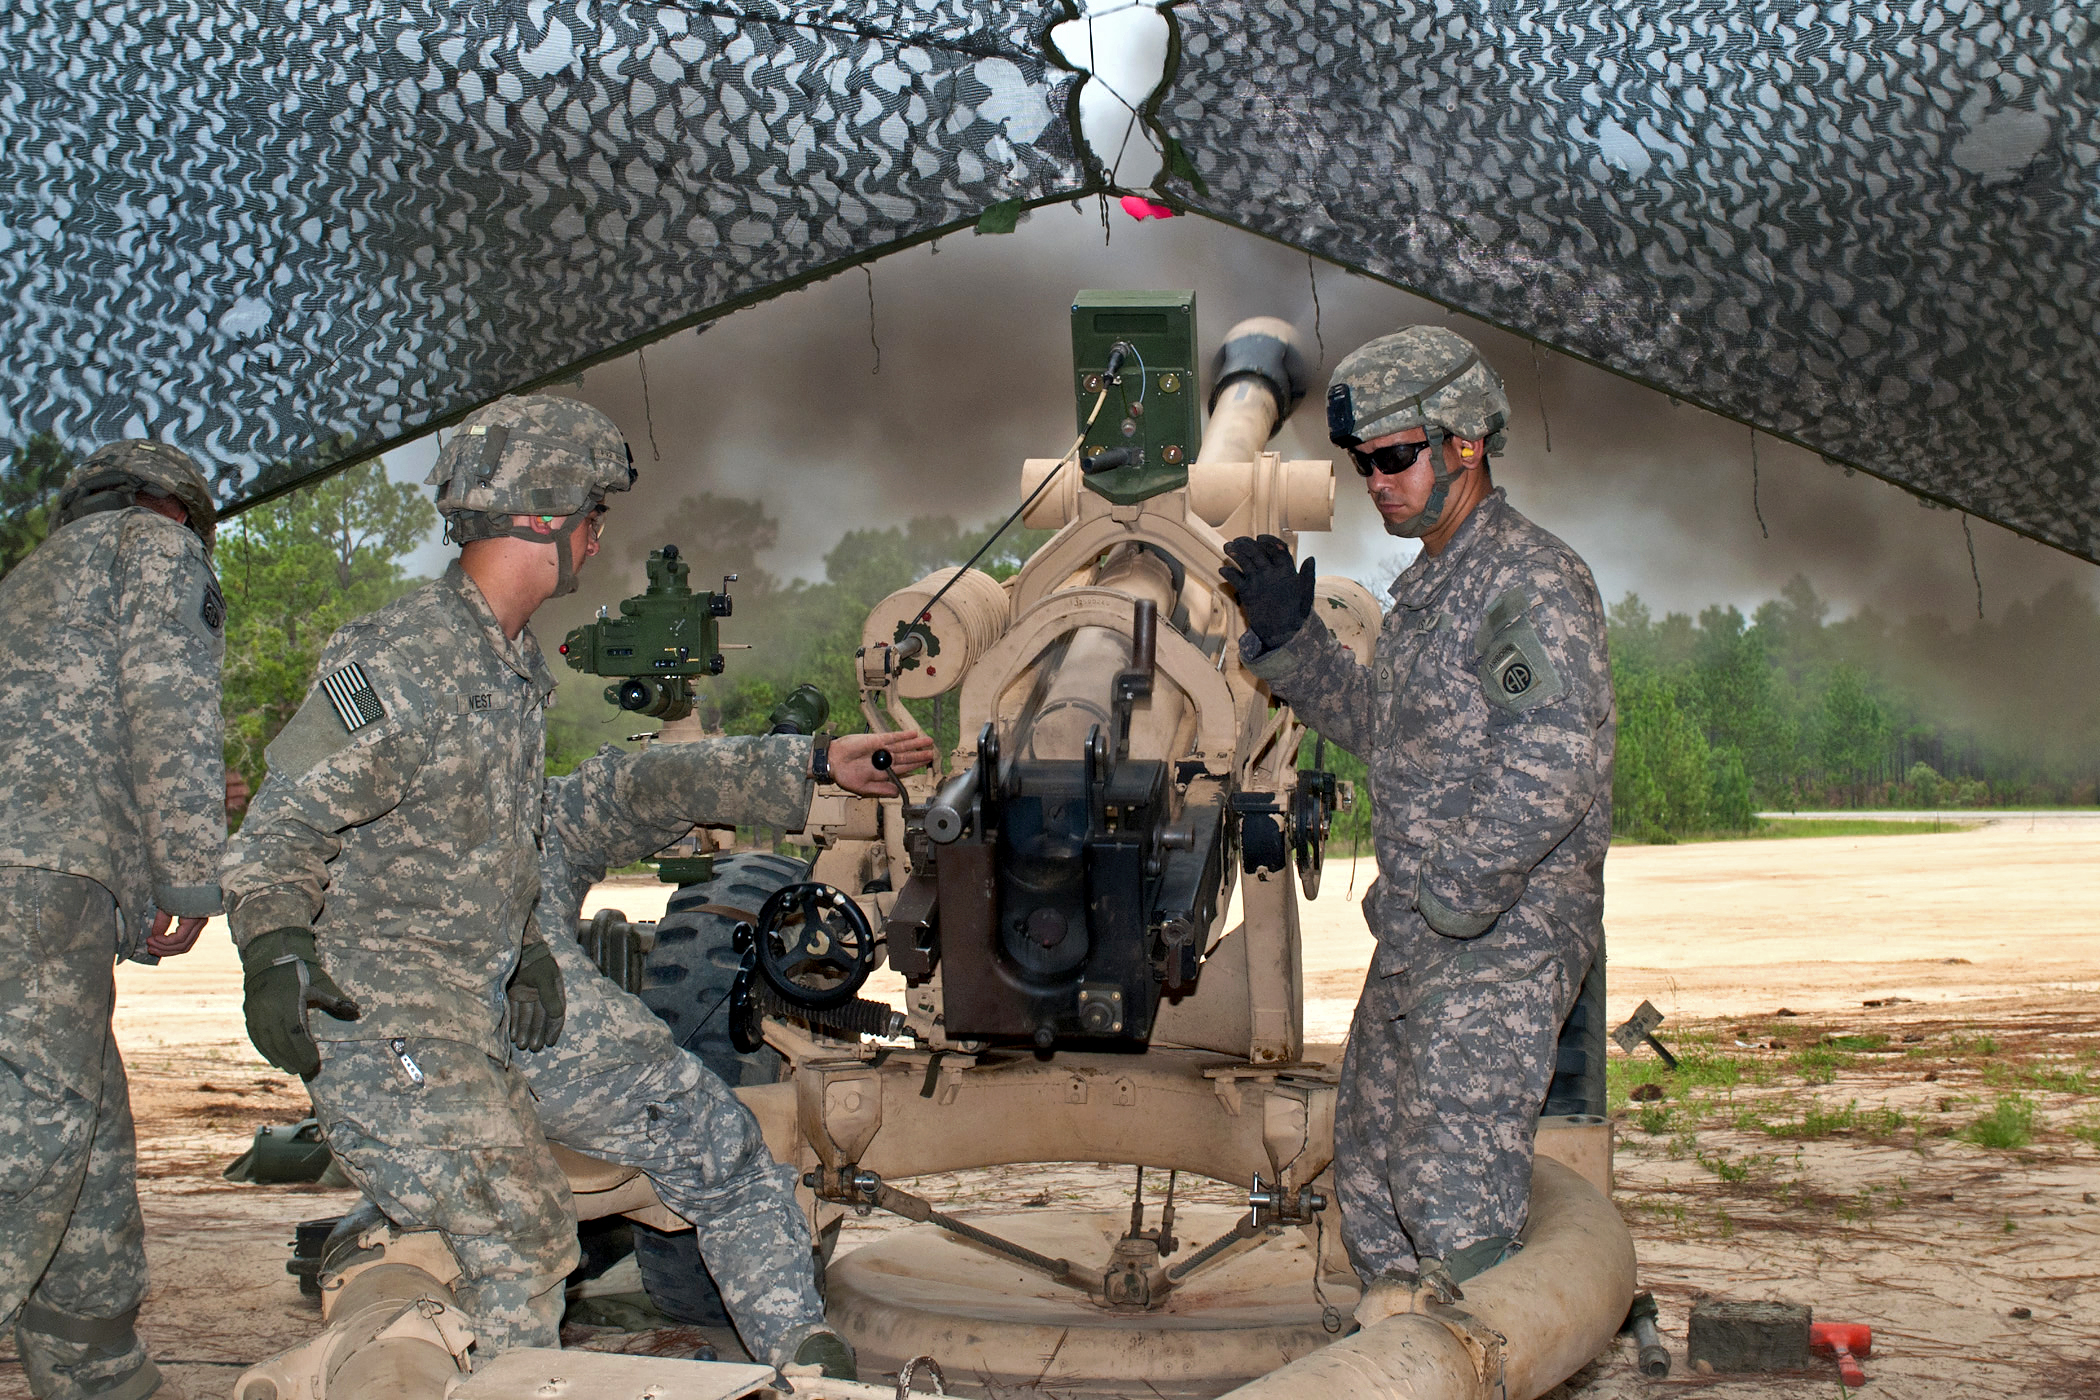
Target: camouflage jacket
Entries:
(111, 636)
(618, 807)
(1487, 721)
(401, 818)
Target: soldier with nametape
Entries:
(1486, 720)
(111, 637)
(384, 894)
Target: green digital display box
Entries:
(1141, 347)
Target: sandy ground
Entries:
(1747, 1177)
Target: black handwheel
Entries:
(814, 946)
(746, 1020)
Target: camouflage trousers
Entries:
(464, 1153)
(1448, 1062)
(72, 1244)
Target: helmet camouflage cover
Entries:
(535, 454)
(1421, 377)
(114, 473)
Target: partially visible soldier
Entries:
(1487, 721)
(111, 636)
(387, 877)
(617, 1086)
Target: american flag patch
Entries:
(356, 703)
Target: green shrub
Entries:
(2008, 1127)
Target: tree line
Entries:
(1719, 716)
(1723, 715)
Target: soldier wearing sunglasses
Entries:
(1486, 719)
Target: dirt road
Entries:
(1781, 1163)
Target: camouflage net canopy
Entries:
(1870, 226)
(285, 235)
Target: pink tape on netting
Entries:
(1140, 208)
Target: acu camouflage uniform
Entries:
(1486, 719)
(402, 819)
(616, 1085)
(111, 635)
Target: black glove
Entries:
(537, 1006)
(614, 946)
(1276, 597)
(282, 976)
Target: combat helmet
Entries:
(1423, 377)
(114, 474)
(534, 454)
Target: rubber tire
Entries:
(688, 974)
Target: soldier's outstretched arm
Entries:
(617, 807)
(1321, 681)
(1545, 676)
(172, 636)
(348, 756)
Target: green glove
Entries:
(282, 977)
(537, 1005)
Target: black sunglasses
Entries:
(1389, 460)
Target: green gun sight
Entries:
(663, 637)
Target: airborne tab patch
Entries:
(350, 691)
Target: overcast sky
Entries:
(784, 402)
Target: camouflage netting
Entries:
(283, 235)
(1872, 227)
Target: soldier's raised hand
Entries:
(537, 1004)
(282, 978)
(1275, 594)
(853, 767)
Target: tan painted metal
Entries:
(394, 1333)
(1522, 1327)
(968, 618)
(1235, 1317)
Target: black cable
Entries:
(1019, 511)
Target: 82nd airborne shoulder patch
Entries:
(1516, 673)
(350, 691)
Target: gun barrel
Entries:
(950, 811)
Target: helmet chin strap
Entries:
(1432, 512)
(564, 560)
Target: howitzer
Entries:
(1069, 876)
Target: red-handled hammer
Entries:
(1845, 1341)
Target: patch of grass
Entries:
(1655, 1119)
(1860, 1207)
(1697, 1068)
(1785, 827)
(1816, 1121)
(1734, 1173)
(1857, 1042)
(2008, 1127)
(2056, 1079)
(1972, 1045)
(2086, 1130)
(1724, 1224)
(1818, 1064)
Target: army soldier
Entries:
(383, 894)
(617, 1086)
(1486, 719)
(111, 635)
